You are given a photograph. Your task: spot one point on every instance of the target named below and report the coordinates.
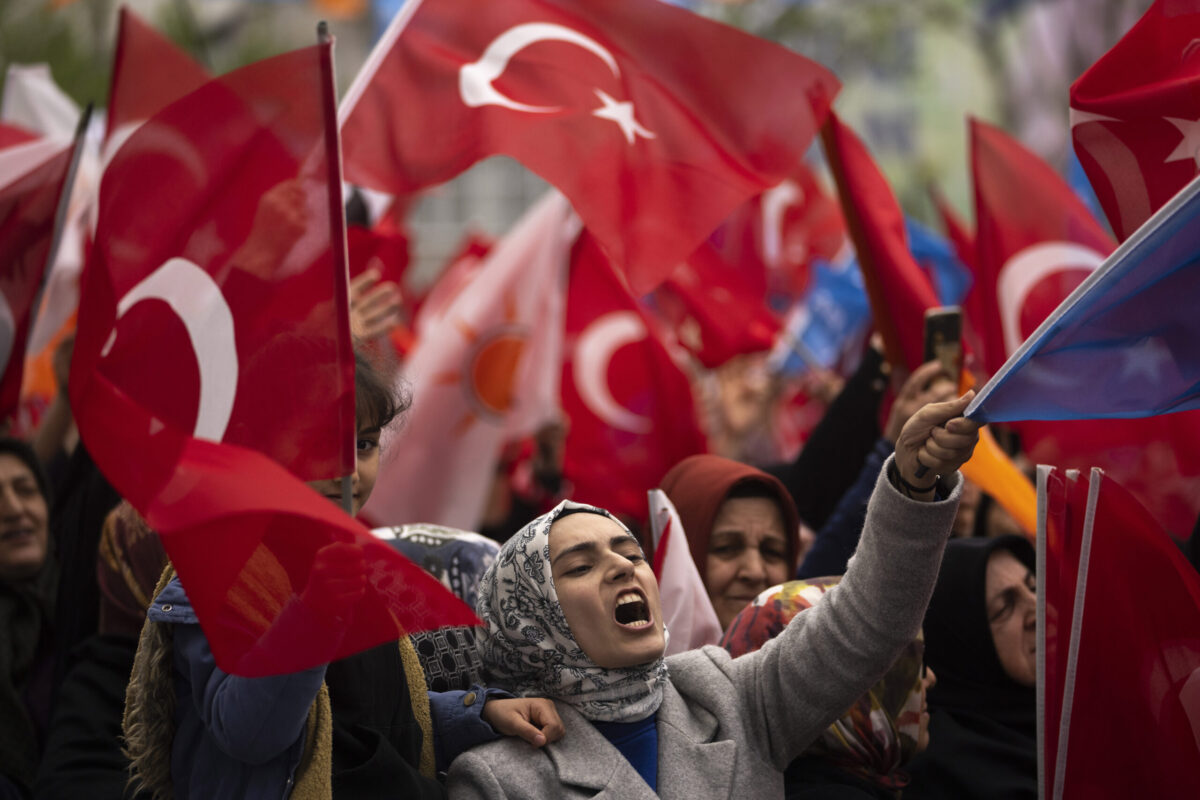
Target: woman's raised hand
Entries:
(935, 441)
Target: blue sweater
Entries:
(244, 737)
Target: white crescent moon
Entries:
(775, 201)
(199, 304)
(593, 352)
(159, 139)
(8, 332)
(475, 79)
(1024, 270)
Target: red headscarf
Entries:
(698, 485)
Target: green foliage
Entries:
(74, 41)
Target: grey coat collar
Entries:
(687, 754)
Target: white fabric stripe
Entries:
(1085, 553)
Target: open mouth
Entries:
(632, 610)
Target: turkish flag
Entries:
(656, 123)
(630, 406)
(484, 372)
(1135, 115)
(149, 73)
(899, 290)
(1132, 613)
(717, 309)
(782, 232)
(33, 176)
(1036, 242)
(213, 320)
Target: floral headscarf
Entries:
(527, 646)
(878, 734)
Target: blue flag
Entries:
(933, 252)
(827, 323)
(1125, 343)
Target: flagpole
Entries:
(64, 205)
(382, 47)
(337, 233)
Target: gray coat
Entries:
(728, 728)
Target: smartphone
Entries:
(943, 339)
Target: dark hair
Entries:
(24, 453)
(376, 401)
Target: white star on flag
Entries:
(622, 114)
(1189, 148)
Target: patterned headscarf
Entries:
(878, 734)
(449, 655)
(527, 646)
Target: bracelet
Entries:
(910, 487)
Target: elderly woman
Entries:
(741, 526)
(27, 584)
(981, 637)
(571, 611)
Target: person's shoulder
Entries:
(172, 605)
(509, 764)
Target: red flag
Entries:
(483, 373)
(782, 231)
(630, 407)
(899, 290)
(1135, 649)
(1135, 115)
(149, 73)
(655, 122)
(717, 309)
(957, 232)
(214, 318)
(1036, 242)
(963, 241)
(32, 179)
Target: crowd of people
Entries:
(913, 676)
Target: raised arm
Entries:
(799, 683)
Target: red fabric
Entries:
(629, 406)
(1138, 660)
(386, 252)
(14, 134)
(234, 179)
(782, 231)
(149, 73)
(1063, 502)
(29, 200)
(899, 290)
(1031, 223)
(1135, 112)
(963, 241)
(1032, 233)
(720, 115)
(717, 309)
